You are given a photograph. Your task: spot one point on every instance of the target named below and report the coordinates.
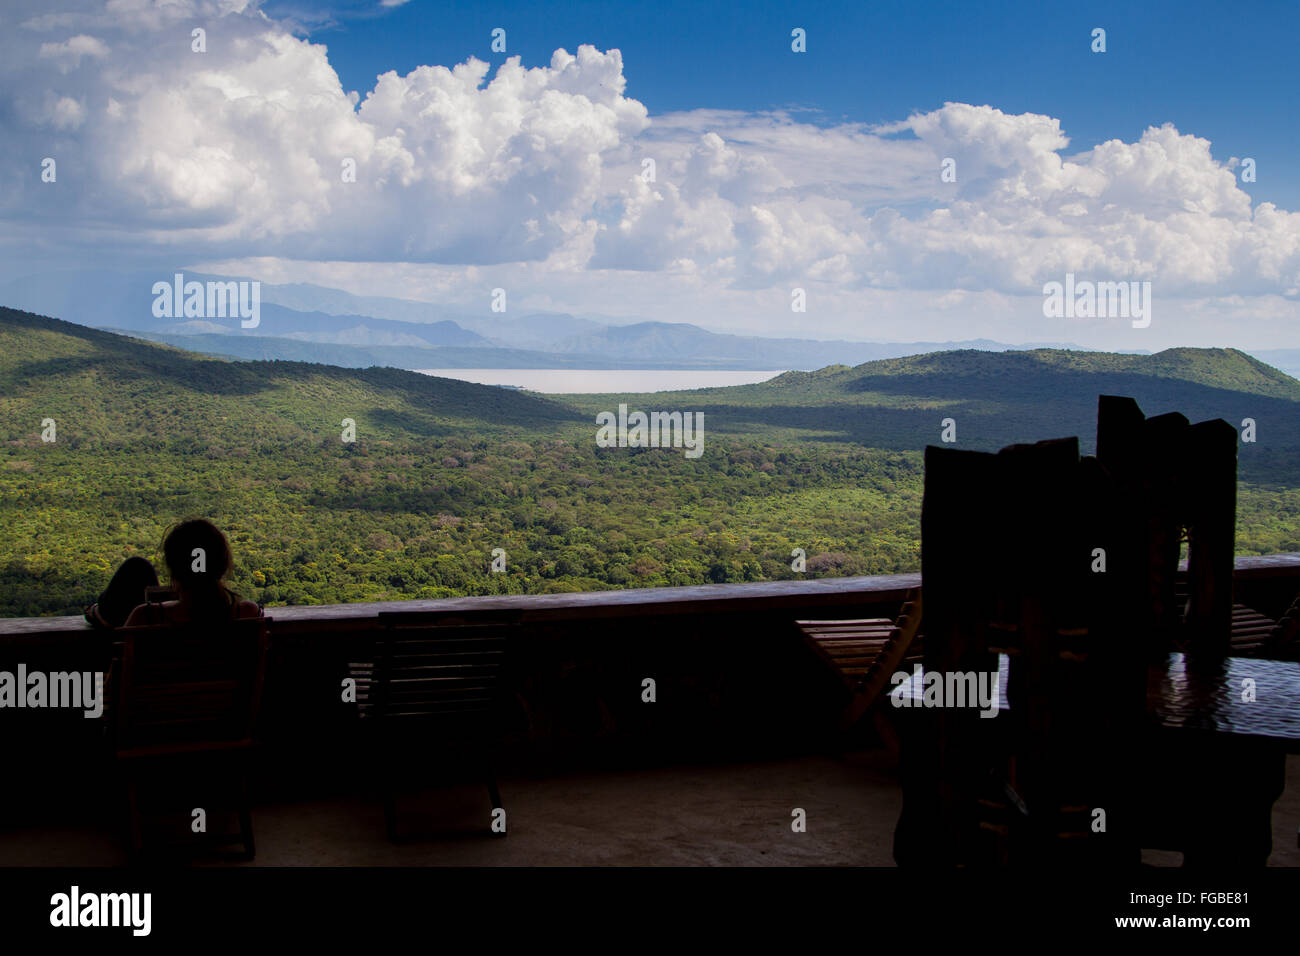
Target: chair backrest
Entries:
(437, 671)
(895, 648)
(1210, 510)
(1069, 566)
(185, 688)
(1176, 476)
(997, 530)
(1008, 563)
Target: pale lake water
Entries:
(573, 381)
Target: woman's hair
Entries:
(198, 558)
(126, 591)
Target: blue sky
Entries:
(675, 162)
(1226, 72)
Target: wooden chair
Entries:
(1007, 541)
(1252, 634)
(1007, 544)
(865, 652)
(187, 700)
(434, 697)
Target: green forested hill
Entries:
(103, 388)
(1027, 375)
(442, 472)
(997, 398)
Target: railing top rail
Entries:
(695, 599)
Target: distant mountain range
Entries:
(310, 323)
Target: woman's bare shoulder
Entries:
(249, 609)
(148, 615)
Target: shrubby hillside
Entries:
(442, 472)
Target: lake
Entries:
(575, 380)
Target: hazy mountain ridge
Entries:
(311, 313)
(262, 347)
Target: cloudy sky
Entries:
(526, 169)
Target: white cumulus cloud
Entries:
(243, 152)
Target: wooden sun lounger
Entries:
(865, 652)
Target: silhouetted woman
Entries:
(128, 589)
(198, 559)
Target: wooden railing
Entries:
(821, 595)
(826, 594)
(730, 672)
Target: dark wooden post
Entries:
(1211, 509)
